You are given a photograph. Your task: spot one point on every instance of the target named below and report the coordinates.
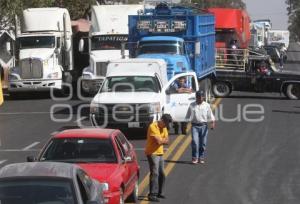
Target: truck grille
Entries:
(138, 112)
(31, 68)
(101, 68)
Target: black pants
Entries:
(183, 127)
(157, 174)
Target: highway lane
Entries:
(246, 162)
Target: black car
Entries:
(260, 75)
(48, 182)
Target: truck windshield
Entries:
(108, 42)
(130, 84)
(167, 47)
(37, 42)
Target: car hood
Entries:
(126, 97)
(103, 172)
(288, 73)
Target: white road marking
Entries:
(2, 161)
(24, 113)
(30, 146)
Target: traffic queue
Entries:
(166, 44)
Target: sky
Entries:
(275, 10)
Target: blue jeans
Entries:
(199, 139)
(157, 174)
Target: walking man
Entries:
(157, 137)
(200, 115)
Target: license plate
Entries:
(133, 124)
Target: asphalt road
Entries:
(247, 162)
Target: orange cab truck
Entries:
(231, 25)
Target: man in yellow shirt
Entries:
(157, 137)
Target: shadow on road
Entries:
(260, 97)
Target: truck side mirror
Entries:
(123, 50)
(8, 47)
(197, 48)
(56, 51)
(81, 45)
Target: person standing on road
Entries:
(157, 137)
(200, 114)
(181, 86)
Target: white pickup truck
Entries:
(136, 91)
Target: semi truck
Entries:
(44, 57)
(232, 28)
(181, 36)
(109, 28)
(166, 44)
(279, 37)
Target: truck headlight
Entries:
(154, 107)
(53, 75)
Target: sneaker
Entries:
(161, 196)
(153, 198)
(195, 161)
(201, 161)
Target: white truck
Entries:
(44, 57)
(279, 36)
(109, 29)
(136, 92)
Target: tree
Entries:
(294, 18)
(8, 10)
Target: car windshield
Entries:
(36, 42)
(167, 47)
(108, 42)
(130, 84)
(36, 191)
(80, 150)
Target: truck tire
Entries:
(221, 89)
(293, 91)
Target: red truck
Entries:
(231, 24)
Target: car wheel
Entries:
(221, 89)
(121, 196)
(293, 91)
(133, 198)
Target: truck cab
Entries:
(44, 57)
(170, 49)
(136, 92)
(182, 37)
(108, 31)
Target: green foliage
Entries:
(294, 18)
(10, 8)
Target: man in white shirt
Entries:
(200, 114)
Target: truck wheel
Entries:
(293, 91)
(221, 89)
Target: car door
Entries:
(177, 104)
(131, 163)
(123, 149)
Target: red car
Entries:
(105, 154)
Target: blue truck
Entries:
(183, 37)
